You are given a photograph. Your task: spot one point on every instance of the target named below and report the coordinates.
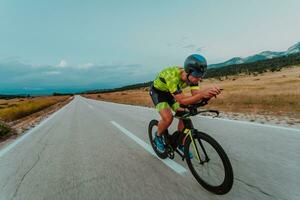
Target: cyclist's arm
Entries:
(176, 91)
(195, 90)
(197, 96)
(186, 100)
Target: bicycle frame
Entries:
(189, 130)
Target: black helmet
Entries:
(195, 65)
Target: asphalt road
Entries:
(98, 150)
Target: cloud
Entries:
(86, 65)
(14, 76)
(193, 47)
(52, 72)
(184, 38)
(32, 88)
(62, 63)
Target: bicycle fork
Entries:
(190, 133)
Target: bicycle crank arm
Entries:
(180, 154)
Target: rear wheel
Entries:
(213, 171)
(152, 130)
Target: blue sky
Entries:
(102, 44)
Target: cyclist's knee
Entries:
(168, 119)
(166, 116)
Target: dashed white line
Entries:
(170, 163)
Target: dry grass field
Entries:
(270, 93)
(14, 109)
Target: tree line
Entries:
(258, 67)
(8, 96)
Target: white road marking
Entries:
(20, 139)
(170, 163)
(83, 100)
(207, 117)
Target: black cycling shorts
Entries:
(163, 99)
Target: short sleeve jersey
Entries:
(169, 80)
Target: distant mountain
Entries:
(232, 61)
(257, 57)
(294, 49)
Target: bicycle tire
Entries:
(150, 127)
(227, 183)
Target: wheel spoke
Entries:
(212, 172)
(202, 148)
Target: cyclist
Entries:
(166, 93)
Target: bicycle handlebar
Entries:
(193, 109)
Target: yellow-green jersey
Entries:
(169, 80)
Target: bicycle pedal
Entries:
(171, 156)
(170, 150)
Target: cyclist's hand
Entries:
(211, 92)
(208, 93)
(216, 89)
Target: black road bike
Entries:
(209, 163)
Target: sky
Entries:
(72, 45)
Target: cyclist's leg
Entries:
(162, 101)
(166, 120)
(182, 137)
(180, 125)
(176, 107)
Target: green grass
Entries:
(25, 108)
(4, 130)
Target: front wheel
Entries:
(152, 129)
(211, 166)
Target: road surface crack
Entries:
(34, 164)
(23, 177)
(9, 177)
(259, 189)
